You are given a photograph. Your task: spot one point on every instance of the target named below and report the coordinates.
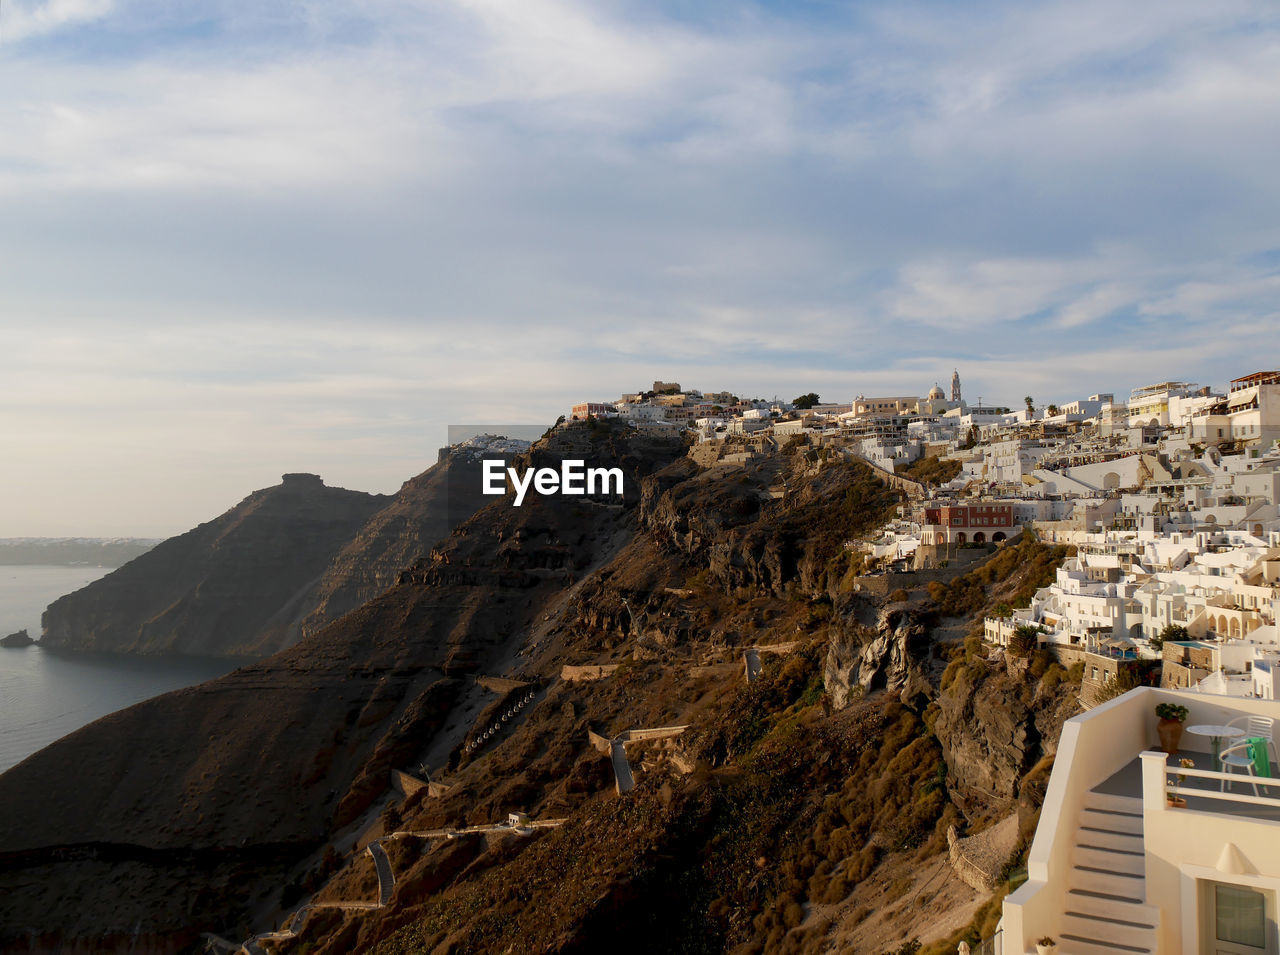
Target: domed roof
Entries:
(935, 392)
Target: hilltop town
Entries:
(1169, 501)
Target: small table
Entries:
(1217, 733)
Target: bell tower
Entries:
(955, 385)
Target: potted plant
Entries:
(1046, 946)
(1171, 716)
(1175, 800)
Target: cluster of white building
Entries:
(1172, 503)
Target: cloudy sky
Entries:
(243, 237)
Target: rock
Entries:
(19, 639)
(226, 588)
(993, 728)
(280, 565)
(861, 658)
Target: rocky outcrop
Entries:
(226, 588)
(280, 565)
(994, 727)
(883, 656)
(19, 639)
(206, 803)
(753, 540)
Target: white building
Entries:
(1151, 404)
(1253, 409)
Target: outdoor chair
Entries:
(1255, 753)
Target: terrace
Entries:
(1148, 877)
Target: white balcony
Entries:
(1113, 867)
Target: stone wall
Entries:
(595, 671)
(405, 784)
(979, 860)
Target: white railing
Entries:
(1156, 774)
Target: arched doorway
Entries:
(979, 538)
(997, 537)
(962, 538)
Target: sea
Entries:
(46, 694)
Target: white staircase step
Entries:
(1111, 803)
(1132, 887)
(1111, 821)
(1109, 908)
(1112, 932)
(1073, 945)
(1127, 863)
(1103, 839)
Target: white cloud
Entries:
(24, 19)
(310, 236)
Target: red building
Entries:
(966, 523)
(587, 409)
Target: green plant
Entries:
(1174, 632)
(1172, 711)
(1047, 940)
(1024, 640)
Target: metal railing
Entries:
(990, 946)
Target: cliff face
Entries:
(189, 793)
(223, 587)
(417, 518)
(223, 800)
(281, 564)
(887, 655)
(995, 722)
(781, 523)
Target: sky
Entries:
(245, 237)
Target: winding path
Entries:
(502, 828)
(386, 878)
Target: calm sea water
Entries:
(46, 695)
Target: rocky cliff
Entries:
(996, 721)
(221, 806)
(281, 564)
(222, 588)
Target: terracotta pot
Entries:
(1170, 735)
(1045, 949)
(1177, 802)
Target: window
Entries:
(1240, 915)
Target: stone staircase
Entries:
(1106, 911)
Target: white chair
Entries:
(1238, 758)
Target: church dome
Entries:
(935, 393)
